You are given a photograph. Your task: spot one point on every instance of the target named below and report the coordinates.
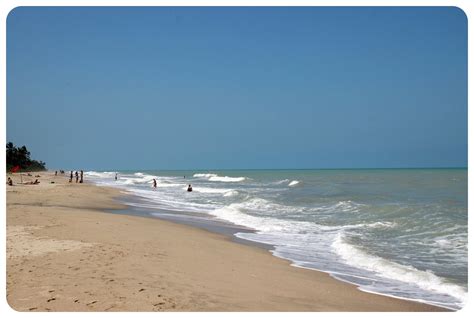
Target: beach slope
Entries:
(64, 253)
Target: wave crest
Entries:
(293, 183)
(227, 179)
(215, 177)
(204, 175)
(388, 269)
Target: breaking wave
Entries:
(293, 183)
(215, 177)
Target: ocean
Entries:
(397, 232)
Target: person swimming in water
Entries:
(190, 188)
(154, 183)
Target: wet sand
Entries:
(64, 253)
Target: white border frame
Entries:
(7, 5)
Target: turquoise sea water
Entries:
(399, 232)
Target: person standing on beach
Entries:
(70, 178)
(77, 176)
(82, 175)
(116, 176)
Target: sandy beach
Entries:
(65, 253)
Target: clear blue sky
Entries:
(210, 88)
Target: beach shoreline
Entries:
(66, 253)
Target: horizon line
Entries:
(269, 169)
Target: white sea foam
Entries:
(231, 193)
(204, 175)
(233, 213)
(282, 181)
(443, 242)
(162, 200)
(138, 179)
(380, 224)
(209, 190)
(258, 205)
(384, 268)
(215, 177)
(227, 179)
(346, 206)
(224, 192)
(293, 183)
(127, 181)
(365, 225)
(105, 174)
(161, 184)
(237, 213)
(340, 206)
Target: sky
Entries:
(238, 88)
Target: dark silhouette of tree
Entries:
(20, 156)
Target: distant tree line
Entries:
(20, 157)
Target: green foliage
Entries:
(20, 156)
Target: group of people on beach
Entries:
(10, 181)
(77, 177)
